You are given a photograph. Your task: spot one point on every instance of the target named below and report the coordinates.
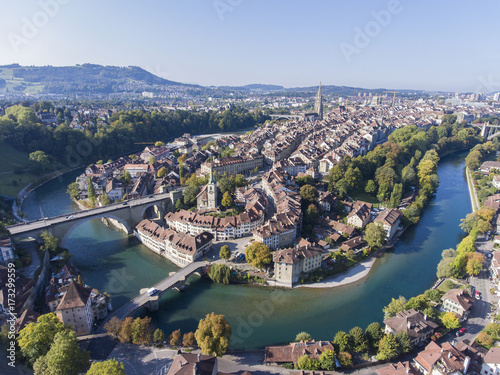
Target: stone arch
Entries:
(158, 205)
(79, 222)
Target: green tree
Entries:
(213, 335)
(387, 348)
(374, 333)
(404, 341)
(371, 187)
(73, 191)
(227, 201)
(396, 196)
(158, 336)
(309, 193)
(40, 161)
(359, 342)
(375, 235)
(175, 337)
(50, 242)
(433, 295)
(307, 363)
(220, 273)
(151, 160)
(159, 143)
(90, 189)
(303, 336)
(105, 200)
(419, 303)
(162, 172)
(305, 180)
(188, 339)
(109, 367)
(225, 252)
(190, 194)
(35, 339)
(450, 320)
(341, 342)
(64, 356)
(126, 178)
(484, 339)
(396, 305)
(258, 254)
(327, 360)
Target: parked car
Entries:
(461, 331)
(477, 294)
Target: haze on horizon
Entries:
(446, 45)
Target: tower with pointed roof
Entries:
(318, 104)
(207, 198)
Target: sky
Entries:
(447, 45)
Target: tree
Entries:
(303, 336)
(327, 360)
(64, 356)
(105, 200)
(341, 342)
(375, 235)
(475, 263)
(162, 172)
(227, 201)
(225, 252)
(374, 333)
(213, 335)
(40, 161)
(109, 367)
(158, 336)
(396, 305)
(73, 190)
(152, 160)
(396, 196)
(309, 193)
(387, 348)
(433, 295)
(35, 339)
(188, 339)
(484, 339)
(175, 337)
(371, 187)
(419, 303)
(404, 341)
(190, 194)
(305, 180)
(450, 320)
(492, 329)
(113, 326)
(125, 334)
(220, 273)
(126, 178)
(345, 359)
(90, 189)
(258, 254)
(307, 363)
(359, 343)
(159, 143)
(50, 243)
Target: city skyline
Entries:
(369, 44)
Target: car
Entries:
(124, 203)
(489, 255)
(151, 196)
(461, 331)
(477, 294)
(152, 291)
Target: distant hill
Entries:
(85, 78)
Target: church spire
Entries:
(318, 104)
(211, 178)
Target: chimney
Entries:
(194, 369)
(198, 357)
(449, 354)
(425, 317)
(408, 324)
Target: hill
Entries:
(85, 78)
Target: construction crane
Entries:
(393, 98)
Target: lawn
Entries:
(10, 182)
(365, 197)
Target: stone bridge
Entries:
(488, 130)
(125, 214)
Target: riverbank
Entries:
(472, 191)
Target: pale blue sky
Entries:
(448, 45)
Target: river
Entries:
(113, 262)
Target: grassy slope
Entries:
(12, 183)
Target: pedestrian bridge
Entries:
(128, 214)
(176, 280)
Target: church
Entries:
(207, 198)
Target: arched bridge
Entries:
(173, 281)
(488, 130)
(287, 117)
(128, 214)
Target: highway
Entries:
(46, 222)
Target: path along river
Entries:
(113, 262)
